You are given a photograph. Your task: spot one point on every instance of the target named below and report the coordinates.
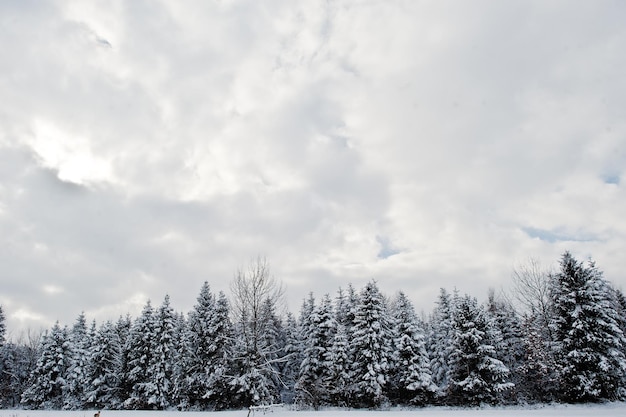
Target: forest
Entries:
(559, 337)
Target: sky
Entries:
(149, 146)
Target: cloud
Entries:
(145, 148)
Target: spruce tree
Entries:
(370, 347)
(220, 331)
(292, 353)
(3, 327)
(315, 377)
(123, 328)
(103, 378)
(477, 376)
(46, 390)
(439, 342)
(508, 341)
(340, 364)
(160, 368)
(199, 347)
(79, 361)
(140, 351)
(411, 377)
(588, 343)
(178, 375)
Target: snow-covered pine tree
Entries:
(345, 302)
(588, 343)
(477, 376)
(14, 372)
(619, 301)
(122, 328)
(439, 341)
(160, 368)
(19, 361)
(339, 395)
(140, 351)
(273, 341)
(79, 361)
(103, 376)
(411, 377)
(15, 368)
(199, 347)
(46, 390)
(315, 378)
(7, 364)
(178, 376)
(6, 355)
(370, 347)
(508, 339)
(3, 327)
(292, 353)
(220, 329)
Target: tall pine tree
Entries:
(477, 376)
(103, 377)
(588, 343)
(49, 376)
(314, 383)
(411, 377)
(370, 347)
(140, 351)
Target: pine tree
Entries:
(3, 327)
(339, 369)
(477, 376)
(220, 331)
(439, 343)
(313, 387)
(78, 363)
(619, 302)
(140, 351)
(179, 398)
(15, 371)
(588, 341)
(46, 391)
(292, 354)
(412, 377)
(123, 328)
(198, 345)
(103, 378)
(508, 339)
(160, 368)
(370, 347)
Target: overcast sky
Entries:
(148, 146)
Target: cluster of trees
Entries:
(358, 349)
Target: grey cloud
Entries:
(146, 147)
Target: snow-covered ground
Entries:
(594, 410)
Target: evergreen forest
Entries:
(558, 338)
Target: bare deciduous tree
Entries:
(255, 292)
(251, 288)
(531, 288)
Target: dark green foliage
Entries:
(588, 341)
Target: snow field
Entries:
(617, 409)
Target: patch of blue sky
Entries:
(386, 248)
(553, 236)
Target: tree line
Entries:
(357, 349)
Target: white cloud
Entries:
(177, 141)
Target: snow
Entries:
(591, 410)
